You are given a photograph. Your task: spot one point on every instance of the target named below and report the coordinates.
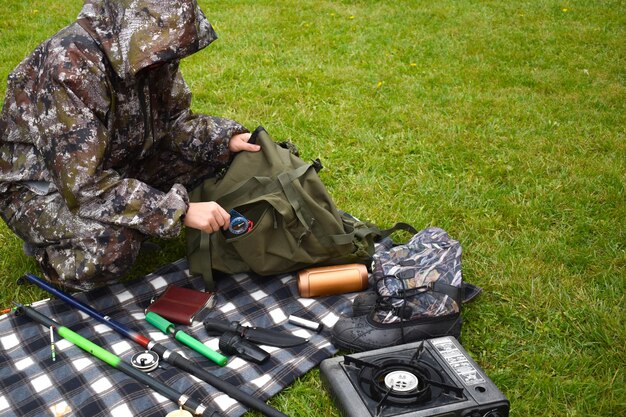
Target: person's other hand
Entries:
(240, 143)
(208, 217)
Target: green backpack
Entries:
(295, 223)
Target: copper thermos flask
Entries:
(329, 280)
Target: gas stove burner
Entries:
(394, 381)
(401, 381)
(425, 379)
(399, 386)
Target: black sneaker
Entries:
(358, 334)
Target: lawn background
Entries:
(501, 122)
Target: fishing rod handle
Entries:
(168, 328)
(193, 406)
(227, 388)
(69, 335)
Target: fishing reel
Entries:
(146, 361)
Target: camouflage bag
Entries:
(428, 266)
(295, 223)
(418, 291)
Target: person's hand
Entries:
(240, 143)
(208, 217)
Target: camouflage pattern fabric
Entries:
(98, 144)
(404, 276)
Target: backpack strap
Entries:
(450, 290)
(440, 287)
(199, 248)
(287, 180)
(254, 186)
(200, 258)
(398, 226)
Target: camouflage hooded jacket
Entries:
(84, 109)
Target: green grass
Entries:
(501, 122)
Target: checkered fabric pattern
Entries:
(78, 384)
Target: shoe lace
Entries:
(389, 302)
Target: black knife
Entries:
(260, 335)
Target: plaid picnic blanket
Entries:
(78, 384)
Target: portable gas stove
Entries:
(433, 378)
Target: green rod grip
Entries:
(201, 348)
(159, 322)
(88, 346)
(167, 327)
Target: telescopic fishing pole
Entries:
(167, 355)
(116, 362)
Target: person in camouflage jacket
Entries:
(98, 145)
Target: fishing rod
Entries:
(116, 362)
(167, 355)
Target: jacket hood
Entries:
(135, 34)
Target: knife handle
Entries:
(217, 327)
(233, 344)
